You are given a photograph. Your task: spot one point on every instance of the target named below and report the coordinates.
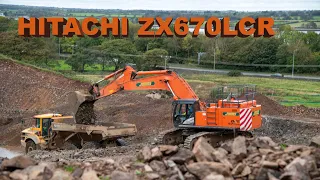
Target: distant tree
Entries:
(187, 44)
(32, 49)
(313, 40)
(153, 58)
(310, 25)
(5, 24)
(80, 59)
(119, 51)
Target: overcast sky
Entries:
(240, 5)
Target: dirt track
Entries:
(26, 91)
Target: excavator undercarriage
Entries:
(188, 136)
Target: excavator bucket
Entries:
(82, 105)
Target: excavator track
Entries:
(171, 137)
(212, 138)
(190, 140)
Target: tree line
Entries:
(255, 54)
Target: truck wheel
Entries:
(30, 146)
(121, 142)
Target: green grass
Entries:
(299, 24)
(316, 18)
(87, 14)
(69, 168)
(70, 75)
(285, 91)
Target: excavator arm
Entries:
(128, 79)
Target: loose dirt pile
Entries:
(26, 91)
(273, 108)
(242, 158)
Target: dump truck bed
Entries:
(98, 132)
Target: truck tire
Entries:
(121, 142)
(30, 146)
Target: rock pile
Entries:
(241, 158)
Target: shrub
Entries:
(234, 73)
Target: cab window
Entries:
(45, 126)
(37, 123)
(184, 110)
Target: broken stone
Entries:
(315, 141)
(263, 173)
(220, 156)
(189, 176)
(265, 151)
(154, 96)
(33, 171)
(119, 175)
(264, 142)
(109, 161)
(60, 174)
(203, 150)
(77, 173)
(157, 165)
(293, 148)
(296, 169)
(167, 149)
(268, 164)
(144, 154)
(238, 169)
(47, 173)
(183, 155)
(271, 177)
(156, 153)
(147, 168)
(203, 169)
(227, 146)
(88, 173)
(214, 176)
(246, 171)
(174, 170)
(281, 163)
(18, 162)
(305, 153)
(152, 176)
(18, 174)
(239, 147)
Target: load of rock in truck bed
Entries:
(241, 158)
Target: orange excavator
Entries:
(191, 117)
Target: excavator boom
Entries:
(130, 80)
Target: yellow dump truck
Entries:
(52, 131)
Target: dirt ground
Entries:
(26, 91)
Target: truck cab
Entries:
(37, 136)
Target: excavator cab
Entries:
(184, 111)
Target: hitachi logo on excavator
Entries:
(146, 84)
